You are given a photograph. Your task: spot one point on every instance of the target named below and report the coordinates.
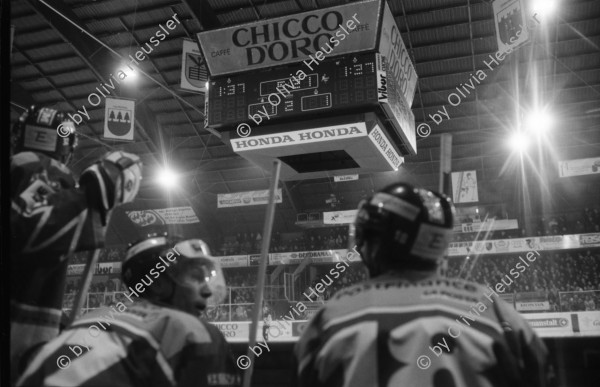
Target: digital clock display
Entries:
(344, 84)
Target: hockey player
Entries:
(51, 217)
(407, 326)
(267, 320)
(155, 339)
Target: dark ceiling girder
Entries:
(99, 60)
(20, 96)
(203, 13)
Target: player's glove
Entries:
(112, 180)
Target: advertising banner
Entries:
(589, 323)
(385, 147)
(299, 137)
(532, 306)
(551, 324)
(395, 106)
(589, 240)
(247, 198)
(337, 179)
(519, 245)
(489, 225)
(239, 331)
(464, 187)
(544, 324)
(102, 268)
(291, 38)
(173, 215)
(400, 68)
(321, 256)
(233, 261)
(254, 259)
(75, 269)
(119, 118)
(579, 167)
(339, 217)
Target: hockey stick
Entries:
(262, 271)
(85, 284)
(445, 186)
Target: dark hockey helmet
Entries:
(405, 223)
(45, 130)
(158, 253)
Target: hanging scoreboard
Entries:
(269, 78)
(349, 84)
(337, 85)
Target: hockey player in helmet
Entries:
(408, 326)
(155, 338)
(52, 216)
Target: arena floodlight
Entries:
(539, 121)
(519, 142)
(543, 8)
(167, 178)
(127, 74)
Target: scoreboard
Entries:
(340, 85)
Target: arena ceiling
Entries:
(55, 62)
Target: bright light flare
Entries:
(539, 121)
(167, 178)
(518, 142)
(544, 8)
(126, 74)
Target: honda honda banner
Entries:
(248, 198)
(119, 117)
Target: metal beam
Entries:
(203, 13)
(98, 59)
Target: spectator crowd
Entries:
(569, 280)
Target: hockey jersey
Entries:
(418, 329)
(136, 344)
(49, 218)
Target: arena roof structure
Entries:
(64, 50)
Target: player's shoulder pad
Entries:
(182, 329)
(24, 158)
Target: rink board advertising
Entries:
(544, 324)
(456, 249)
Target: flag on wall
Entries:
(119, 117)
(511, 24)
(193, 68)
